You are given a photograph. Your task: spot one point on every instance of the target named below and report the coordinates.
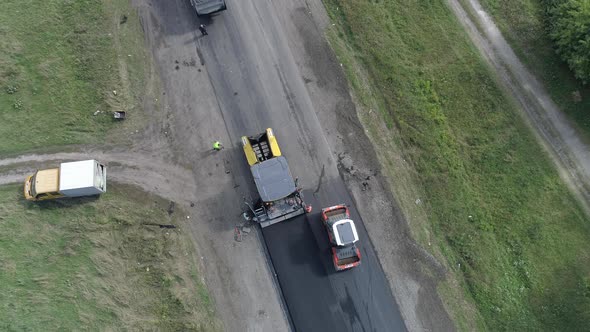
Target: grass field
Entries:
(491, 203)
(60, 62)
(523, 24)
(93, 264)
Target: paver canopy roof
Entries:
(273, 179)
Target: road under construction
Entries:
(302, 250)
(244, 81)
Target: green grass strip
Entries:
(93, 264)
(505, 222)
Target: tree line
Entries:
(569, 28)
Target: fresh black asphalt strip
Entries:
(312, 304)
(319, 298)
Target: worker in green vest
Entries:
(217, 146)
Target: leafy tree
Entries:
(570, 30)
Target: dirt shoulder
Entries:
(236, 272)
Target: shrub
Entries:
(570, 30)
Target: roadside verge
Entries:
(486, 199)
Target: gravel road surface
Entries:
(256, 84)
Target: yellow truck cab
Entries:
(43, 185)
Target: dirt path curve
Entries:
(556, 133)
(143, 170)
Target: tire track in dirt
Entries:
(554, 131)
(153, 175)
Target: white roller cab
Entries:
(344, 232)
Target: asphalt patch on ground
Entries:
(312, 304)
(317, 296)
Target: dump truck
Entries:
(70, 179)
(280, 199)
(207, 7)
(343, 237)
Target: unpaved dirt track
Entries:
(153, 175)
(571, 154)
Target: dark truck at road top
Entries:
(343, 237)
(280, 199)
(206, 7)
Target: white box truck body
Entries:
(82, 178)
